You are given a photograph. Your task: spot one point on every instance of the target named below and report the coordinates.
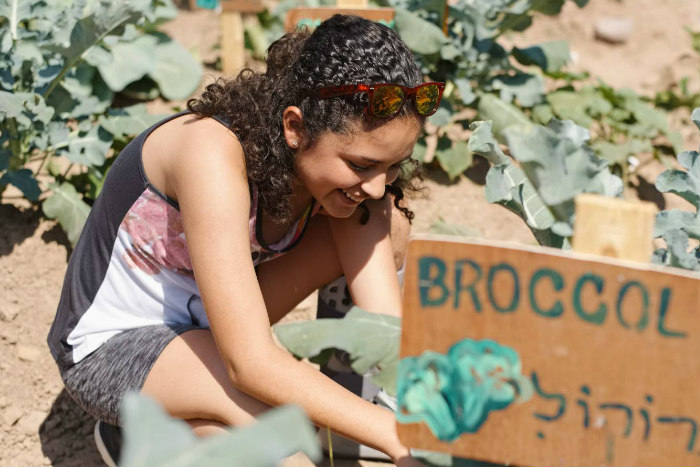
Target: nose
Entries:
(374, 187)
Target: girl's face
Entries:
(341, 171)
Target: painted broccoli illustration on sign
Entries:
(454, 393)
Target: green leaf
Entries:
(25, 181)
(5, 155)
(502, 114)
(449, 52)
(676, 140)
(152, 438)
(674, 219)
(131, 61)
(482, 142)
(121, 126)
(371, 339)
(466, 94)
(678, 255)
(104, 19)
(441, 117)
(559, 167)
(570, 105)
(542, 114)
(67, 206)
(533, 207)
(548, 7)
(549, 56)
(12, 104)
(176, 71)
(619, 153)
(527, 89)
(419, 151)
(15, 11)
(569, 131)
(455, 160)
(420, 35)
(90, 148)
(652, 120)
(695, 117)
(684, 184)
(444, 228)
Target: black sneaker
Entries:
(108, 439)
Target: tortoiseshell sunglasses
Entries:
(386, 99)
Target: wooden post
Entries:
(232, 42)
(347, 7)
(352, 3)
(233, 33)
(614, 227)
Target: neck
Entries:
(301, 197)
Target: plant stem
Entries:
(74, 60)
(15, 144)
(65, 174)
(44, 159)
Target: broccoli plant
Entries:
(62, 63)
(153, 439)
(555, 165)
(676, 227)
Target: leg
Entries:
(202, 427)
(206, 397)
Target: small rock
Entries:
(28, 353)
(11, 415)
(8, 313)
(3, 402)
(30, 423)
(612, 29)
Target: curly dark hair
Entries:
(342, 50)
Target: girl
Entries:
(216, 222)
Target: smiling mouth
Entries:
(350, 197)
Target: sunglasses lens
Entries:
(386, 100)
(427, 99)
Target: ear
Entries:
(293, 126)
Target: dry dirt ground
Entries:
(41, 425)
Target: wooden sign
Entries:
(242, 6)
(297, 16)
(538, 357)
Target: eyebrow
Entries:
(374, 161)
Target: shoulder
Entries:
(203, 145)
(203, 136)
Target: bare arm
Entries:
(367, 258)
(213, 194)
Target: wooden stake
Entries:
(232, 42)
(352, 3)
(614, 227)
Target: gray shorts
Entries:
(99, 381)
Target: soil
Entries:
(41, 425)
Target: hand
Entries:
(408, 461)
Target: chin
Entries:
(339, 213)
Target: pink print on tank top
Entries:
(157, 237)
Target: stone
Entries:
(11, 415)
(3, 402)
(8, 313)
(30, 423)
(616, 30)
(28, 353)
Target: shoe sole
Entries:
(101, 448)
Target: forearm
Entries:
(284, 380)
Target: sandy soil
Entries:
(41, 425)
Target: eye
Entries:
(357, 168)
